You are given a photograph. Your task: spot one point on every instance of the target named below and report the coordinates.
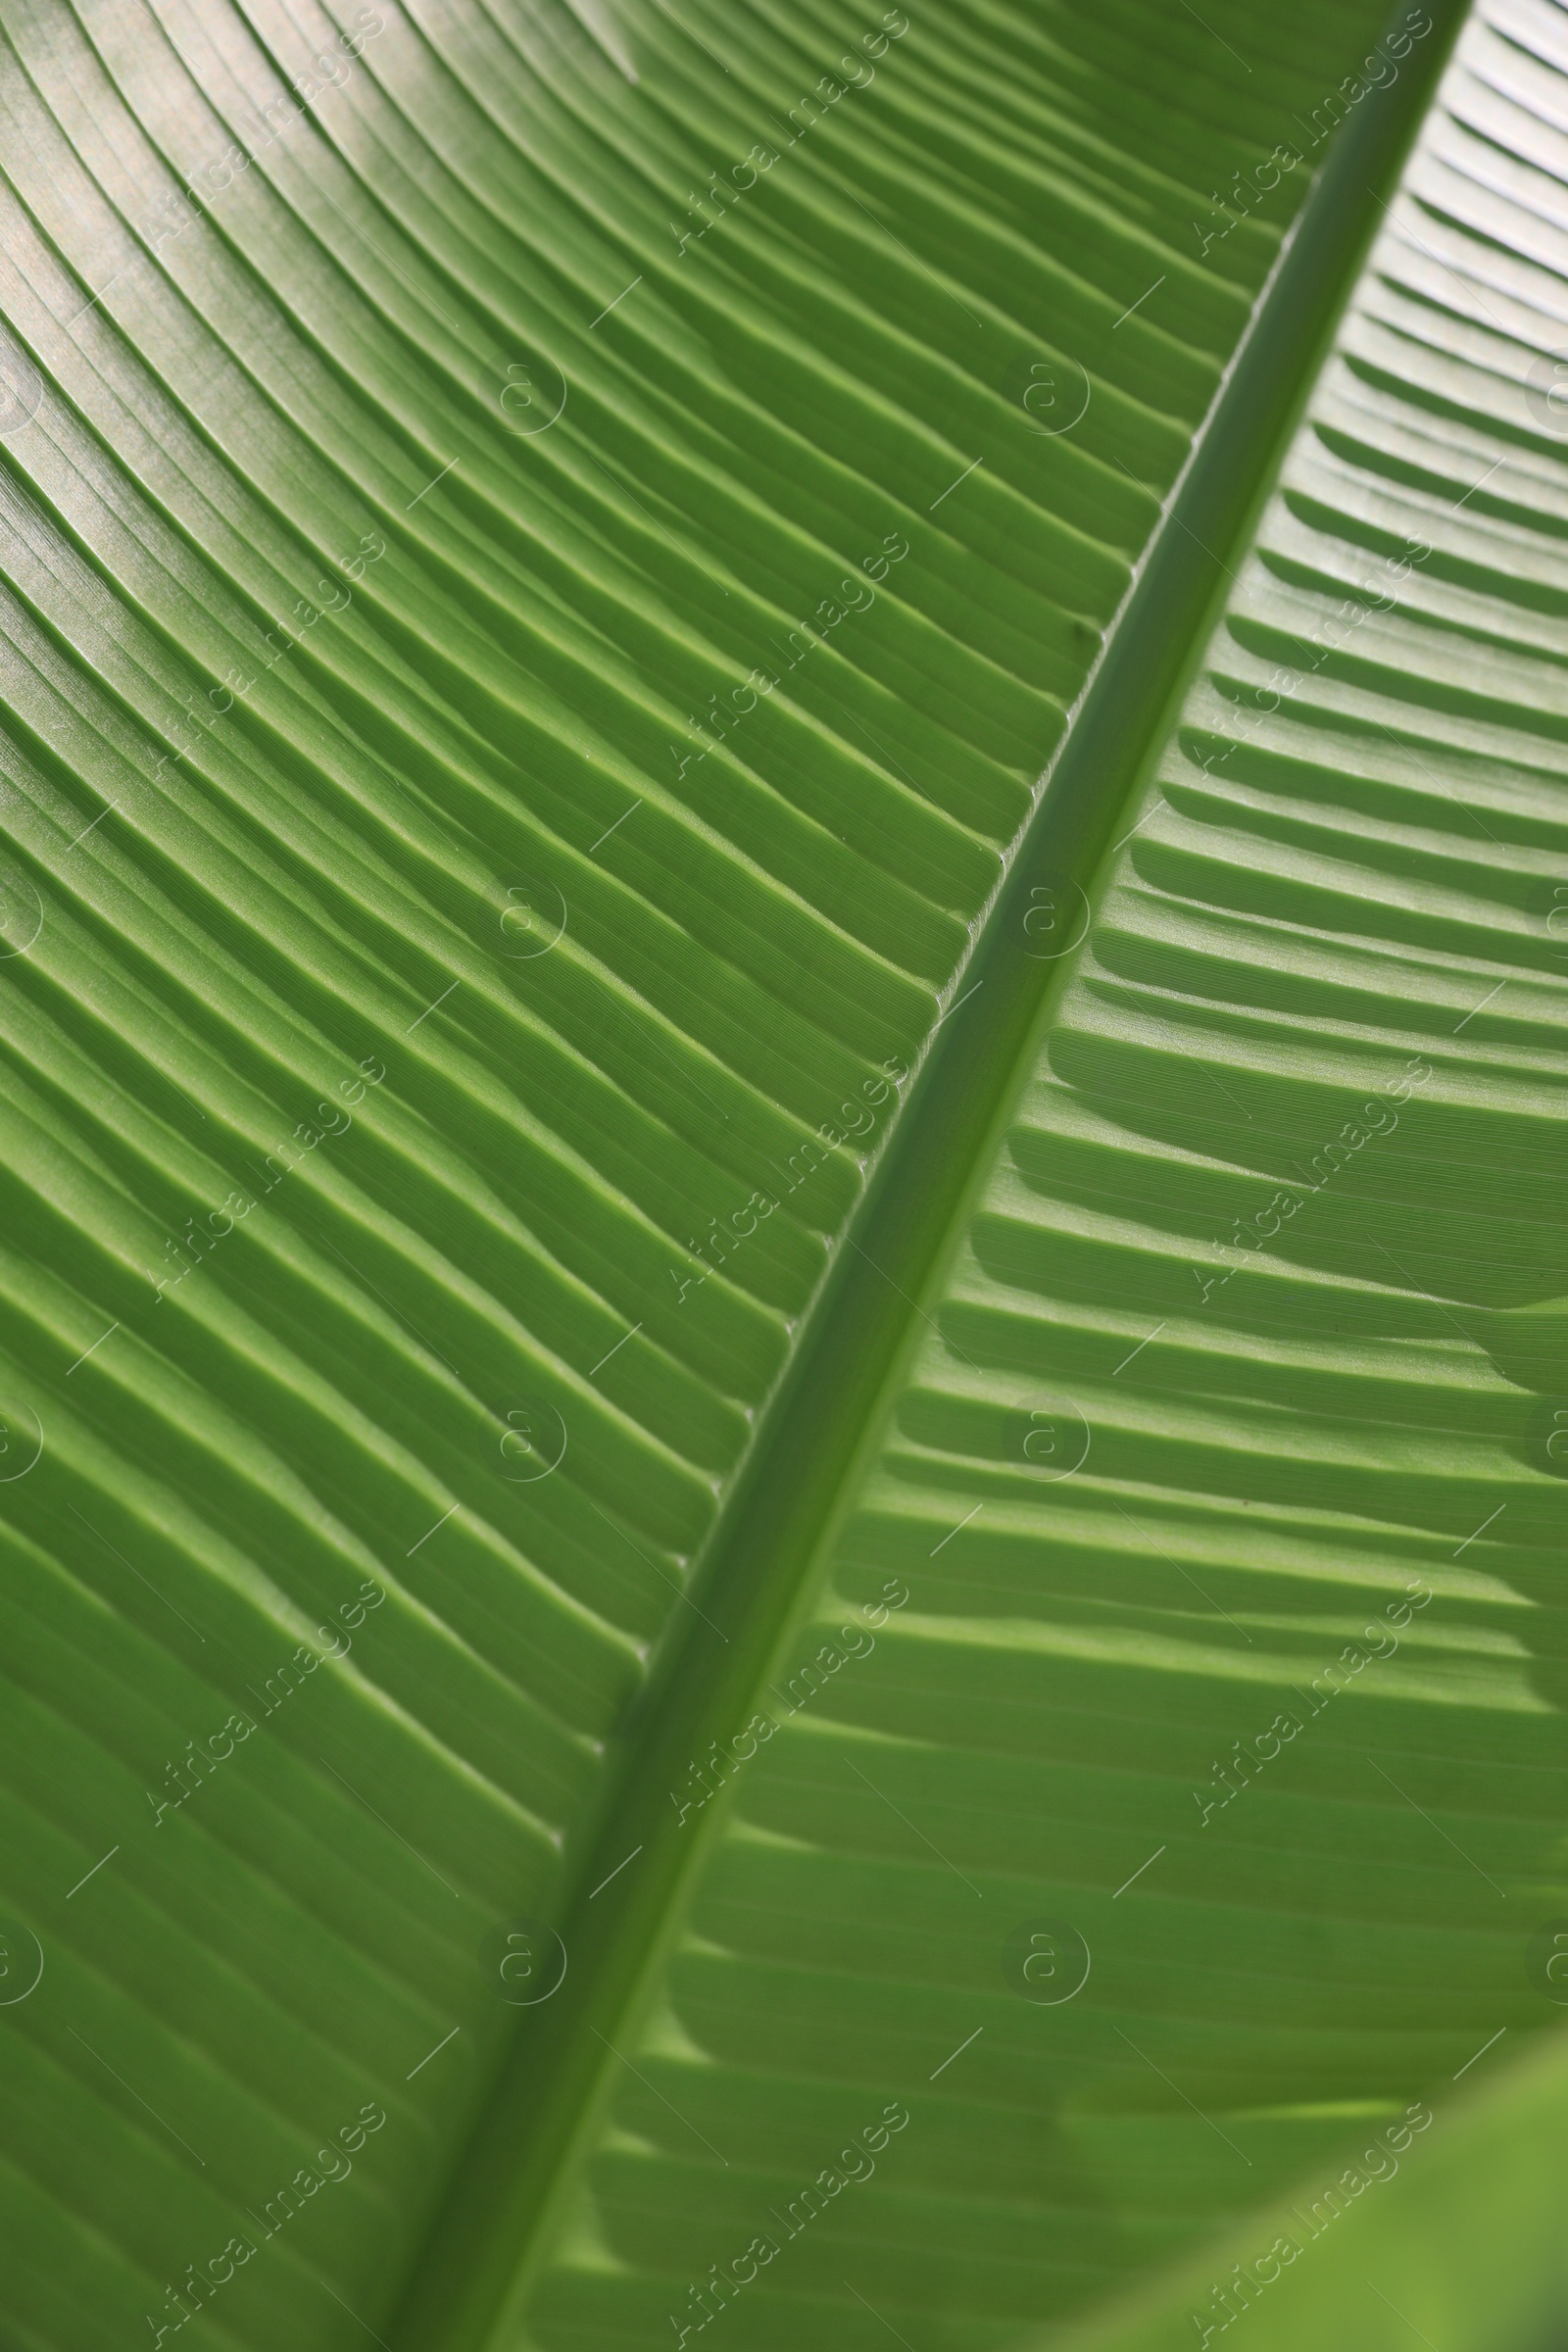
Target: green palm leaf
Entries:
(775, 1047)
(1451, 2237)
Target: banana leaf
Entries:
(786, 1339)
(1463, 2252)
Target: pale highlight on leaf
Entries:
(779, 1422)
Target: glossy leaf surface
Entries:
(683, 1109)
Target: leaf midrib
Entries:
(753, 1581)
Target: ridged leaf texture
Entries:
(786, 1350)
